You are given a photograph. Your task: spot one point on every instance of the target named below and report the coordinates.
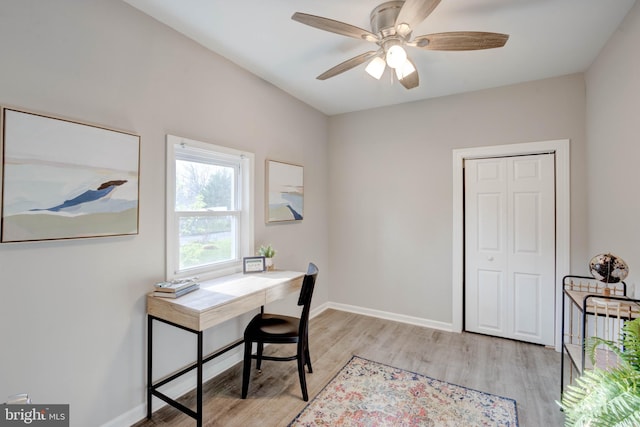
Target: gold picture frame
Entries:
(63, 179)
(285, 192)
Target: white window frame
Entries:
(245, 201)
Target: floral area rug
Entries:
(366, 393)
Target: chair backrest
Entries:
(306, 292)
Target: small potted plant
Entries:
(268, 252)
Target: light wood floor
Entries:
(524, 372)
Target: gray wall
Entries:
(72, 312)
(613, 147)
(391, 187)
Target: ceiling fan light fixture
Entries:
(406, 69)
(376, 67)
(396, 56)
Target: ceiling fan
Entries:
(392, 23)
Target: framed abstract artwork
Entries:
(66, 180)
(285, 192)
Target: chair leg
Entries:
(303, 381)
(259, 355)
(246, 369)
(307, 357)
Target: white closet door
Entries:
(510, 247)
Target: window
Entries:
(209, 208)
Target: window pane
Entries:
(206, 240)
(210, 197)
(202, 186)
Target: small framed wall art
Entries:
(66, 180)
(285, 192)
(254, 264)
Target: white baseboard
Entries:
(419, 321)
(182, 386)
(316, 311)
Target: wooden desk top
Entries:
(224, 298)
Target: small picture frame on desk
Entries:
(254, 264)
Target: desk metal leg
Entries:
(198, 365)
(149, 360)
(199, 380)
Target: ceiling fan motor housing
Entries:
(383, 18)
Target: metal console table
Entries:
(588, 311)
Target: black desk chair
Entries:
(277, 329)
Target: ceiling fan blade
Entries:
(412, 80)
(413, 12)
(333, 26)
(460, 40)
(346, 65)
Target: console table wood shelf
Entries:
(216, 301)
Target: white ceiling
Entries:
(547, 38)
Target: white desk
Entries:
(216, 301)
